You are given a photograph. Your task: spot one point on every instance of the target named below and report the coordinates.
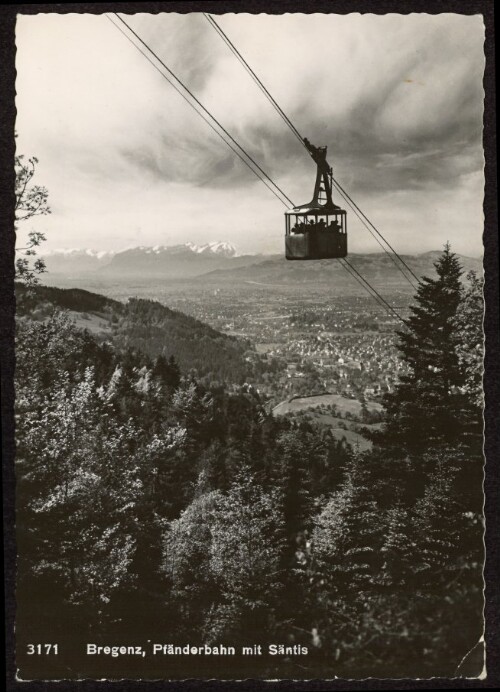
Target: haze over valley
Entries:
(308, 331)
(221, 263)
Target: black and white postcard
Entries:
(249, 357)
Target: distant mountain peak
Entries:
(219, 261)
(77, 252)
(218, 247)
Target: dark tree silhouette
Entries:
(426, 408)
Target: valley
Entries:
(307, 330)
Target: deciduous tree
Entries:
(31, 200)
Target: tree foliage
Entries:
(223, 559)
(153, 502)
(31, 200)
(426, 408)
(397, 551)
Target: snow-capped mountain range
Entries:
(219, 263)
(68, 252)
(174, 261)
(218, 247)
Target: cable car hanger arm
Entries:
(318, 154)
(323, 176)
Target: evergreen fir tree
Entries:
(426, 409)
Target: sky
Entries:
(398, 100)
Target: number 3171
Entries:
(41, 649)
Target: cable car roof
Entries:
(312, 208)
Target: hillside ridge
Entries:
(145, 325)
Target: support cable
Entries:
(373, 292)
(354, 205)
(344, 262)
(287, 120)
(264, 177)
(360, 215)
(247, 67)
(345, 267)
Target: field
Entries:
(342, 403)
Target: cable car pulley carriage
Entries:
(317, 230)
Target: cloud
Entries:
(404, 88)
(397, 98)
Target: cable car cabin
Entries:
(317, 230)
(311, 235)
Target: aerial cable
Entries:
(360, 216)
(387, 306)
(287, 120)
(205, 110)
(356, 274)
(347, 196)
(199, 113)
(348, 269)
(247, 67)
(351, 270)
(364, 283)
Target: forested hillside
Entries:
(145, 325)
(154, 507)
